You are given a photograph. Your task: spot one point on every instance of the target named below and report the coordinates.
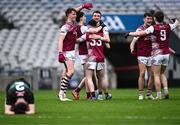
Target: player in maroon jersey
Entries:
(95, 60)
(144, 49)
(160, 50)
(66, 47)
(83, 52)
(96, 15)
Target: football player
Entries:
(144, 48)
(19, 98)
(66, 47)
(160, 50)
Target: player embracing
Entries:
(83, 51)
(95, 63)
(160, 50)
(144, 48)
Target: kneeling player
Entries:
(19, 98)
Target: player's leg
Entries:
(88, 93)
(96, 87)
(76, 91)
(156, 72)
(100, 85)
(102, 82)
(163, 76)
(164, 82)
(90, 67)
(142, 70)
(150, 83)
(68, 73)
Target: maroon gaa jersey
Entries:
(144, 44)
(83, 45)
(95, 48)
(161, 43)
(69, 29)
(162, 33)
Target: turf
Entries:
(124, 109)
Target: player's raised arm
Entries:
(141, 33)
(175, 24)
(105, 39)
(81, 39)
(95, 30)
(84, 6)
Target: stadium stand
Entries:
(33, 41)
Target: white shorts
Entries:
(160, 60)
(145, 60)
(70, 55)
(83, 59)
(95, 65)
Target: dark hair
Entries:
(92, 23)
(96, 11)
(148, 14)
(159, 15)
(69, 10)
(79, 15)
(20, 108)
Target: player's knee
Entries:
(142, 74)
(71, 71)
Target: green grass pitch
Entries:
(123, 109)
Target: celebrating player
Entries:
(66, 47)
(95, 60)
(96, 15)
(19, 98)
(144, 48)
(83, 52)
(160, 50)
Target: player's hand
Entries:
(134, 53)
(126, 35)
(102, 24)
(174, 19)
(87, 6)
(131, 48)
(61, 57)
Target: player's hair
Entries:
(92, 23)
(148, 14)
(79, 15)
(69, 10)
(159, 15)
(96, 11)
(20, 108)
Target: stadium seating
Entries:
(33, 43)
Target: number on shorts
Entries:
(19, 86)
(96, 43)
(163, 35)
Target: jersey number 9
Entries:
(163, 35)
